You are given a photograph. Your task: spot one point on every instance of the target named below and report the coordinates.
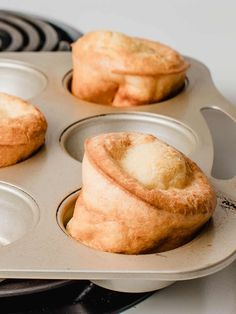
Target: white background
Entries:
(205, 30)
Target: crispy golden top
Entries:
(124, 54)
(20, 121)
(152, 170)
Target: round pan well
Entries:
(67, 82)
(20, 79)
(169, 130)
(18, 211)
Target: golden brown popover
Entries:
(22, 129)
(111, 68)
(139, 195)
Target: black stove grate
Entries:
(21, 32)
(82, 297)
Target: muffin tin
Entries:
(37, 195)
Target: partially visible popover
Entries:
(22, 129)
(139, 195)
(111, 68)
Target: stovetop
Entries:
(22, 32)
(70, 297)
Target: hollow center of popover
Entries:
(155, 165)
(10, 108)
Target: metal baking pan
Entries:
(37, 195)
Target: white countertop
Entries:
(215, 294)
(205, 30)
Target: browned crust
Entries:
(115, 213)
(197, 197)
(160, 60)
(20, 136)
(117, 75)
(152, 231)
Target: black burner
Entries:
(82, 297)
(20, 32)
